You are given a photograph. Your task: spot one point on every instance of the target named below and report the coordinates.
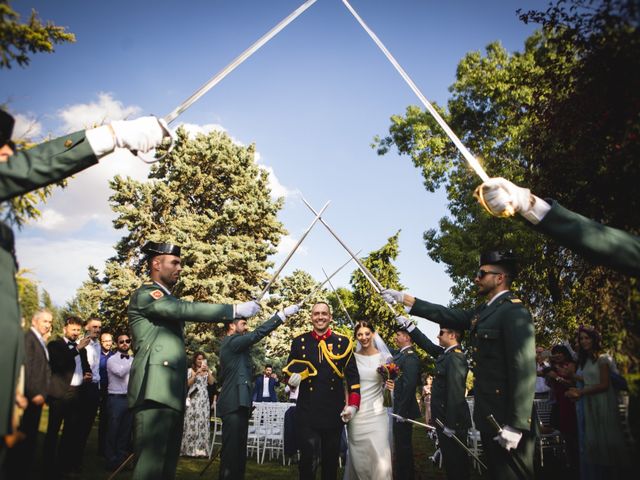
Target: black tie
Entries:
(72, 344)
(122, 355)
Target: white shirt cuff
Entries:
(101, 139)
(537, 211)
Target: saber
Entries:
(516, 462)
(459, 442)
(237, 61)
(428, 427)
(365, 271)
(293, 250)
(471, 160)
(122, 465)
(318, 287)
(339, 299)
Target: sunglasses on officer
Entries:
(482, 273)
(126, 340)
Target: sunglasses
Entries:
(481, 273)
(442, 332)
(124, 341)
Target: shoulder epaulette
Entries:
(157, 294)
(457, 350)
(515, 300)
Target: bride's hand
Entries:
(389, 384)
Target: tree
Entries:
(560, 118)
(87, 300)
(18, 40)
(28, 296)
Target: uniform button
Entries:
(498, 391)
(303, 355)
(303, 347)
(165, 363)
(331, 388)
(311, 389)
(68, 143)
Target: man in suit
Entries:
(265, 389)
(448, 402)
(503, 344)
(24, 171)
(157, 381)
(320, 410)
(36, 383)
(234, 402)
(598, 243)
(405, 404)
(69, 370)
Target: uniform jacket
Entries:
(600, 244)
(448, 402)
(37, 373)
(257, 391)
(25, 171)
(404, 391)
(502, 343)
(156, 320)
(62, 359)
(321, 398)
(236, 374)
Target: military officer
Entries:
(596, 242)
(448, 403)
(503, 347)
(158, 382)
(235, 400)
(320, 409)
(24, 171)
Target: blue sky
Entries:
(312, 100)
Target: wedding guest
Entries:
(195, 435)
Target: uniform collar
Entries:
(498, 295)
(163, 288)
(324, 336)
(450, 348)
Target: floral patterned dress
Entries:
(195, 436)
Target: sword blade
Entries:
(428, 427)
(339, 299)
(461, 443)
(237, 61)
(471, 160)
(319, 286)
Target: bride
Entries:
(368, 432)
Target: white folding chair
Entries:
(550, 438)
(474, 441)
(273, 439)
(216, 437)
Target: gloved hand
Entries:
(392, 296)
(502, 198)
(246, 309)
(294, 380)
(348, 413)
(142, 134)
(288, 311)
(404, 322)
(449, 432)
(508, 438)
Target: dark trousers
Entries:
(65, 410)
(233, 455)
(157, 434)
(118, 435)
(103, 421)
(318, 447)
(513, 465)
(20, 457)
(403, 459)
(89, 401)
(456, 460)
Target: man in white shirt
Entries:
(90, 391)
(265, 388)
(120, 417)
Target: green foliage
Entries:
(561, 118)
(87, 300)
(18, 40)
(28, 296)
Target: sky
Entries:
(312, 100)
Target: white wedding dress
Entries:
(368, 431)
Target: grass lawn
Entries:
(189, 468)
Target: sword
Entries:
(338, 297)
(318, 287)
(461, 443)
(122, 465)
(471, 160)
(293, 250)
(516, 462)
(399, 417)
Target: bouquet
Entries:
(388, 371)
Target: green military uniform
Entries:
(235, 400)
(503, 350)
(600, 244)
(25, 171)
(448, 403)
(405, 405)
(158, 381)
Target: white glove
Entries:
(348, 413)
(392, 296)
(404, 322)
(508, 438)
(503, 198)
(288, 311)
(142, 134)
(449, 432)
(295, 380)
(246, 309)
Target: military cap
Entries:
(6, 128)
(505, 258)
(152, 249)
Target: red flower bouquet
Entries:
(388, 371)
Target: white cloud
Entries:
(287, 242)
(105, 110)
(26, 127)
(193, 129)
(277, 188)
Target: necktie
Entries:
(72, 344)
(122, 355)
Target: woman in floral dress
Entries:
(195, 436)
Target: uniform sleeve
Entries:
(598, 243)
(44, 164)
(447, 317)
(173, 309)
(521, 369)
(422, 341)
(239, 343)
(352, 378)
(456, 383)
